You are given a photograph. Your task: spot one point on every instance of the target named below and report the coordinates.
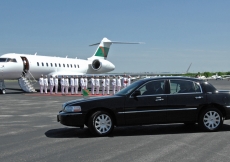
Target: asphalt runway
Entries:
(29, 131)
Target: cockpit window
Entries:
(8, 60)
(3, 59)
(11, 60)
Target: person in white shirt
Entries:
(107, 84)
(46, 83)
(128, 80)
(86, 82)
(66, 85)
(51, 84)
(82, 81)
(114, 85)
(72, 85)
(62, 85)
(76, 84)
(56, 84)
(124, 81)
(97, 84)
(118, 84)
(41, 82)
(103, 85)
(92, 85)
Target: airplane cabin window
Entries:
(38, 63)
(47, 64)
(67, 65)
(51, 64)
(59, 65)
(55, 65)
(78, 66)
(74, 65)
(42, 64)
(63, 65)
(71, 65)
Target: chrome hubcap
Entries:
(211, 120)
(103, 123)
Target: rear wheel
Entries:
(211, 119)
(101, 123)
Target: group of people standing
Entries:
(74, 83)
(44, 83)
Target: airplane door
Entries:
(26, 65)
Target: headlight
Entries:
(72, 109)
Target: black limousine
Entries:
(151, 101)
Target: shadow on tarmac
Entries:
(131, 131)
(14, 91)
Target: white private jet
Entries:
(216, 77)
(22, 67)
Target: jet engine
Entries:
(102, 66)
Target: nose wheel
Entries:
(3, 91)
(2, 87)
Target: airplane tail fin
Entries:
(103, 48)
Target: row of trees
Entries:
(207, 74)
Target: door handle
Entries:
(159, 99)
(199, 97)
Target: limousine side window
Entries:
(152, 88)
(182, 86)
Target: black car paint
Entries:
(134, 110)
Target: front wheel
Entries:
(101, 123)
(211, 120)
(3, 91)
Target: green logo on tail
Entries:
(102, 52)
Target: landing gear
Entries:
(2, 87)
(3, 91)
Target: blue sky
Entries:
(176, 33)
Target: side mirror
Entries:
(136, 93)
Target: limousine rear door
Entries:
(183, 104)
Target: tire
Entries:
(3, 91)
(101, 123)
(211, 120)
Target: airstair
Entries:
(26, 82)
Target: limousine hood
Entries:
(90, 100)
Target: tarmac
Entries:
(29, 131)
